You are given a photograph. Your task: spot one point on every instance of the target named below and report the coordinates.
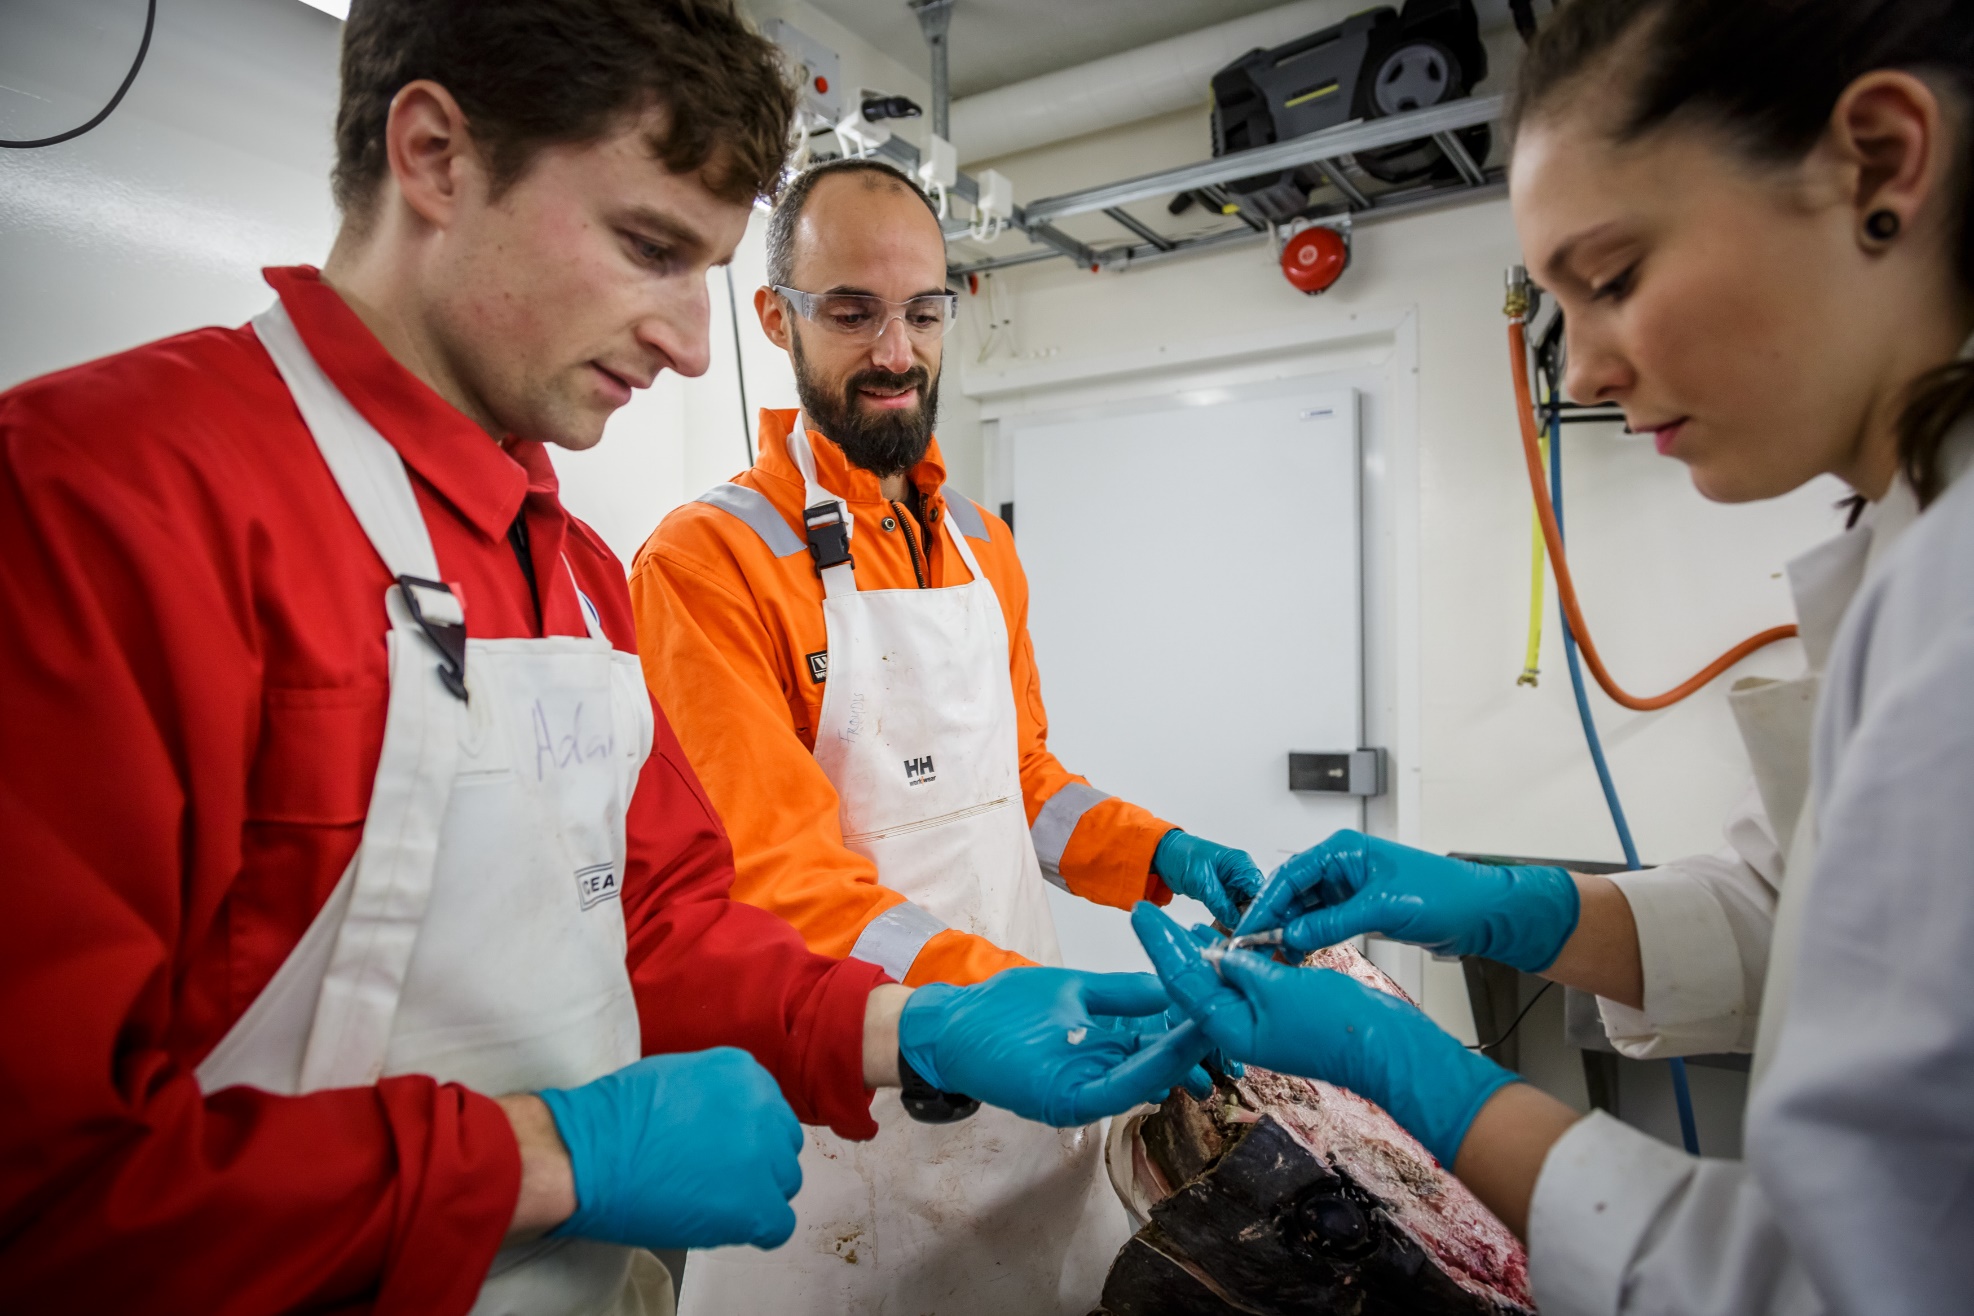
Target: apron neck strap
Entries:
(373, 481)
(826, 518)
(805, 461)
(829, 525)
(367, 468)
(958, 540)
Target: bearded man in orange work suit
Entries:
(841, 641)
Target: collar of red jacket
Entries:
(484, 481)
(834, 472)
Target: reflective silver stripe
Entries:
(1055, 823)
(894, 938)
(753, 507)
(965, 513)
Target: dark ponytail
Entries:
(1940, 397)
(1768, 74)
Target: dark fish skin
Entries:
(1269, 1230)
(1280, 1196)
(1146, 1278)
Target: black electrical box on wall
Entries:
(1341, 772)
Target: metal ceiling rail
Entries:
(1362, 135)
(1441, 123)
(1414, 203)
(902, 153)
(1149, 234)
(1389, 206)
(1081, 253)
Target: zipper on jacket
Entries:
(907, 523)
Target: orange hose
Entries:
(1552, 535)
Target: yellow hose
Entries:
(1532, 660)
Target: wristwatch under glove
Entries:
(926, 1103)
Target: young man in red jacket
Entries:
(350, 870)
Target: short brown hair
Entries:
(795, 197)
(535, 73)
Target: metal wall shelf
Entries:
(1325, 151)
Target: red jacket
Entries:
(194, 685)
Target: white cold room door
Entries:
(1195, 608)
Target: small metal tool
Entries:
(1248, 941)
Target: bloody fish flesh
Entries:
(1284, 1196)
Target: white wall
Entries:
(862, 64)
(216, 164)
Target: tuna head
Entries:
(1281, 1196)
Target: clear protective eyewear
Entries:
(865, 318)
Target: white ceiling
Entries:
(995, 42)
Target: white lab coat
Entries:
(1858, 1192)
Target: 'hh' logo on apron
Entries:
(919, 771)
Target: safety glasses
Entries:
(864, 318)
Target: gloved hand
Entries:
(1046, 1043)
(1327, 1025)
(1150, 1027)
(680, 1151)
(1217, 1061)
(1199, 1081)
(1218, 877)
(1352, 883)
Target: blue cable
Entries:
(1689, 1131)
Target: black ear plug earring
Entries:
(1881, 225)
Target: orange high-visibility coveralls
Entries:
(730, 627)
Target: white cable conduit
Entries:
(1156, 79)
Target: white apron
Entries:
(1777, 723)
(995, 1215)
(477, 935)
(1776, 719)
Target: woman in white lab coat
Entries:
(1756, 218)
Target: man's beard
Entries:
(881, 442)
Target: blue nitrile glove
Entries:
(1220, 878)
(1216, 1060)
(1327, 1025)
(681, 1151)
(1043, 1043)
(1199, 1081)
(1352, 884)
(1148, 1028)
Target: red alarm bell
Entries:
(1315, 258)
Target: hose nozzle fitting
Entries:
(1516, 307)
